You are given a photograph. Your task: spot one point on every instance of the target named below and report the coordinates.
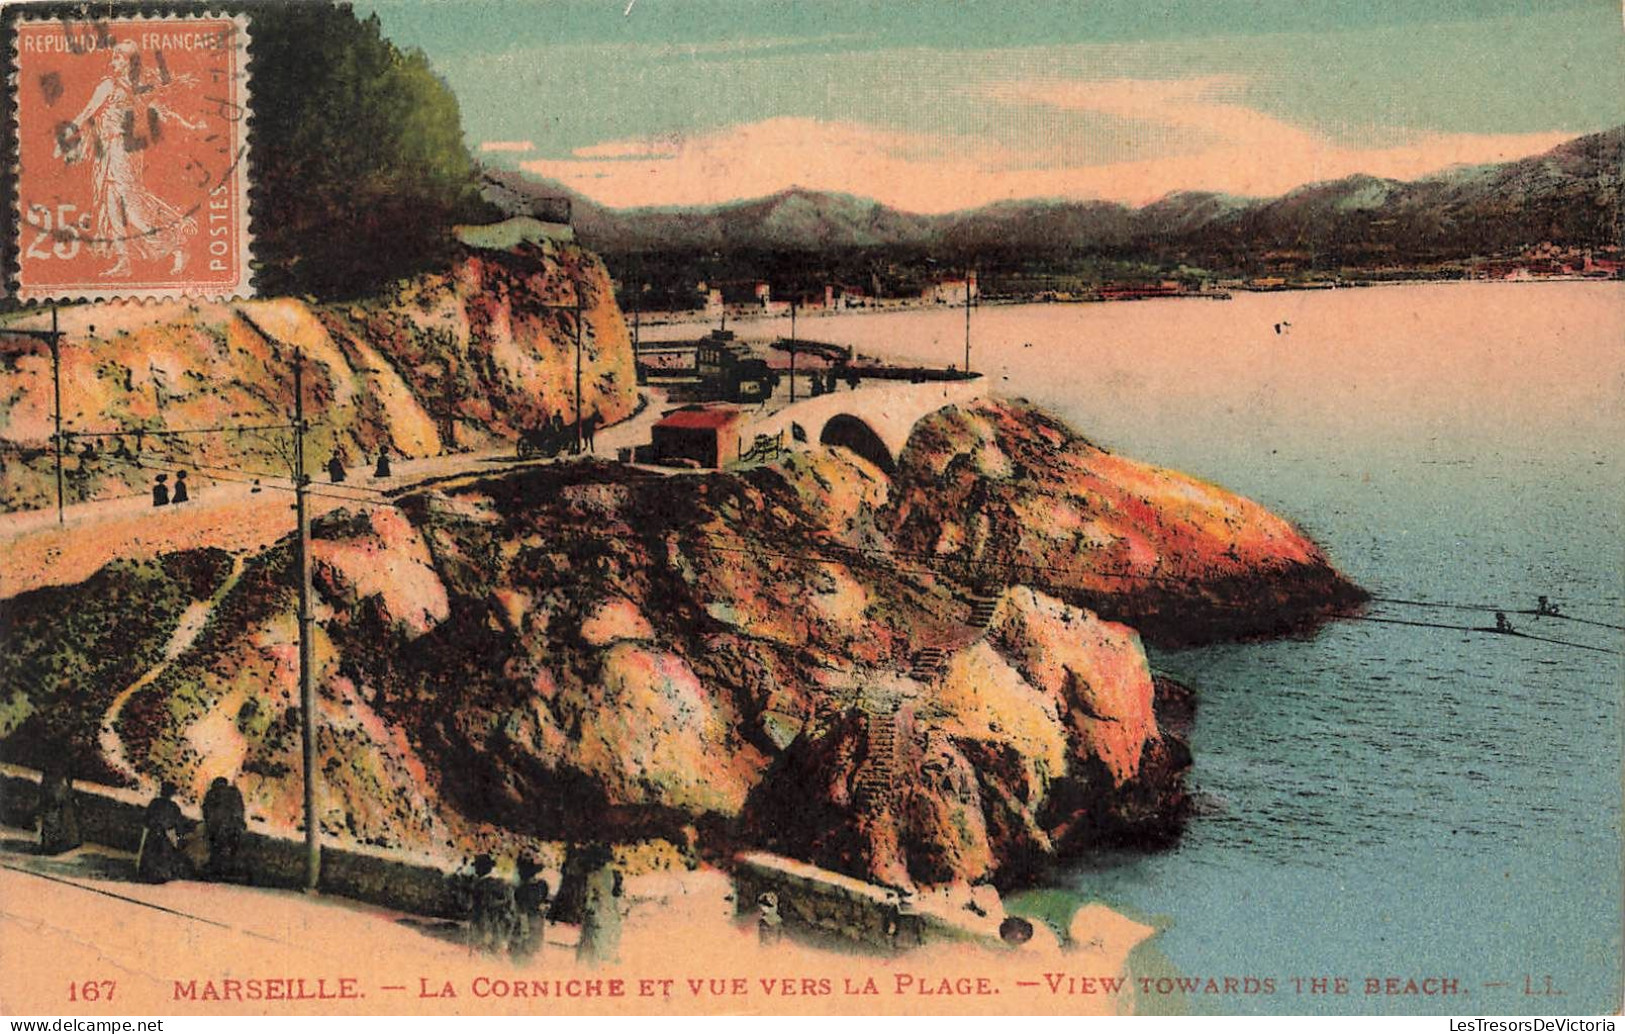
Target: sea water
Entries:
(1378, 800)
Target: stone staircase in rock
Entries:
(876, 784)
(982, 608)
(927, 664)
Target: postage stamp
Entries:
(132, 147)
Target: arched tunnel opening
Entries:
(849, 432)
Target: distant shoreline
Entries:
(699, 317)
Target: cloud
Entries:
(1236, 149)
(749, 160)
(507, 146)
(1206, 138)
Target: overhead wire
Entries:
(1490, 608)
(367, 495)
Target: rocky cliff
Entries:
(789, 655)
(455, 360)
(1010, 494)
(1039, 737)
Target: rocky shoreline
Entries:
(927, 680)
(929, 676)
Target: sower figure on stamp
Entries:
(224, 821)
(128, 215)
(58, 812)
(159, 858)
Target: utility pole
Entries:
(575, 307)
(307, 690)
(970, 278)
(53, 338)
(637, 312)
(792, 350)
(56, 390)
(578, 367)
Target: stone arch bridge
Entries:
(873, 420)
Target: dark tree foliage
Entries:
(359, 163)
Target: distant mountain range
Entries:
(1570, 195)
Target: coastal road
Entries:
(75, 922)
(231, 515)
(77, 919)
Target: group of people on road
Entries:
(165, 495)
(162, 854)
(503, 916)
(336, 472)
(162, 495)
(507, 917)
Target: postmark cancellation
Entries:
(132, 138)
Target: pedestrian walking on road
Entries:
(531, 900)
(601, 911)
(225, 824)
(159, 858)
(769, 923)
(496, 917)
(58, 812)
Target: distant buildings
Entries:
(1548, 260)
(952, 291)
(743, 297)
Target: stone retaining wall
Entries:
(821, 901)
(114, 818)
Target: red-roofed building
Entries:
(708, 436)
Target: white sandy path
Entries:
(186, 632)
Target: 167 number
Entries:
(91, 991)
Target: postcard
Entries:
(669, 507)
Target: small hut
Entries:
(707, 436)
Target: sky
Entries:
(940, 105)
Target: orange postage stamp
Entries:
(131, 146)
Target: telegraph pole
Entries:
(307, 690)
(575, 307)
(578, 367)
(53, 338)
(637, 311)
(969, 278)
(56, 390)
(792, 350)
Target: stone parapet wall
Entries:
(823, 902)
(113, 818)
